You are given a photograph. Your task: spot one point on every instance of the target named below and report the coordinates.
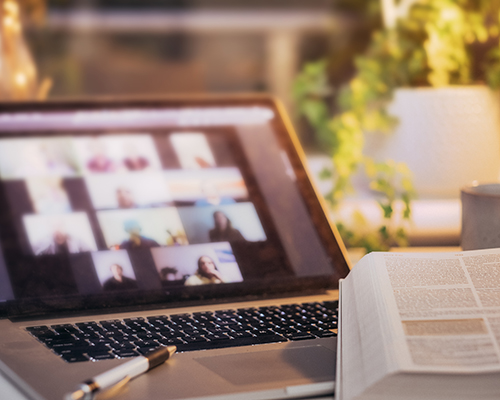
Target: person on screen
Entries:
(125, 197)
(118, 281)
(61, 242)
(99, 161)
(136, 241)
(207, 273)
(133, 161)
(223, 230)
(169, 274)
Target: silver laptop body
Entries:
(160, 187)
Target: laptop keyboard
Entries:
(130, 337)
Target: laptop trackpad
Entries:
(316, 363)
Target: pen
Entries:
(137, 366)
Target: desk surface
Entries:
(7, 391)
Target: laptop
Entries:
(186, 221)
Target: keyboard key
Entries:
(328, 325)
(122, 346)
(323, 334)
(170, 342)
(100, 347)
(133, 320)
(64, 329)
(148, 336)
(88, 335)
(100, 355)
(126, 353)
(237, 335)
(194, 332)
(331, 305)
(218, 329)
(103, 342)
(298, 336)
(146, 350)
(72, 350)
(37, 328)
(194, 339)
(216, 336)
(66, 344)
(146, 343)
(71, 358)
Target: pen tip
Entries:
(171, 350)
(159, 356)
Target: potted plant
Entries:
(435, 48)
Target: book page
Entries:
(444, 309)
(362, 353)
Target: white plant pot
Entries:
(449, 137)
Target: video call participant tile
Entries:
(48, 195)
(224, 223)
(193, 150)
(35, 157)
(197, 264)
(114, 271)
(213, 186)
(59, 233)
(131, 190)
(117, 153)
(142, 228)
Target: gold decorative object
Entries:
(18, 74)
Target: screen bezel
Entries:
(281, 125)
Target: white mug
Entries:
(480, 216)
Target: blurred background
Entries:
(155, 47)
(84, 48)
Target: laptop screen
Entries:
(117, 205)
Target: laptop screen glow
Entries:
(112, 205)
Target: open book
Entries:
(420, 326)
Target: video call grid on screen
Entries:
(73, 197)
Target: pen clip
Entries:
(113, 390)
